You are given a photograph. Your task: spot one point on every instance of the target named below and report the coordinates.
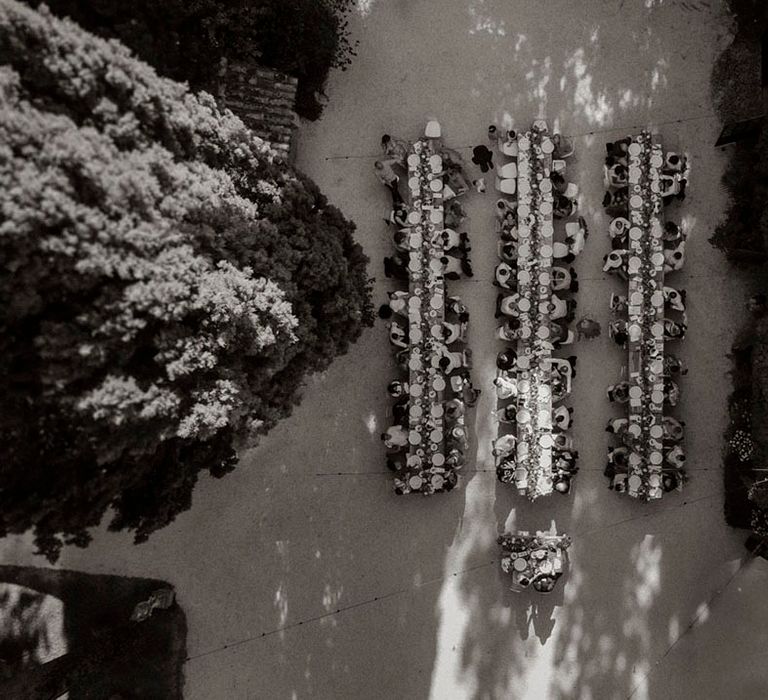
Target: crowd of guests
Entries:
(674, 175)
(568, 243)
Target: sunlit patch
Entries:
(674, 630)
(370, 423)
(331, 598)
(484, 24)
(364, 7)
(281, 604)
(596, 107)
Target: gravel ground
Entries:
(308, 524)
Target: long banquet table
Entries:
(533, 470)
(645, 299)
(426, 312)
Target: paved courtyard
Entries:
(308, 524)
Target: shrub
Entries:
(185, 39)
(166, 283)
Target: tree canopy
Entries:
(166, 283)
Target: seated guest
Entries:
(561, 308)
(396, 266)
(562, 417)
(462, 384)
(617, 175)
(452, 361)
(617, 330)
(562, 441)
(618, 303)
(618, 229)
(398, 336)
(508, 414)
(576, 234)
(675, 457)
(453, 267)
(674, 330)
(396, 462)
(400, 412)
(398, 304)
(504, 445)
(562, 484)
(456, 306)
(618, 457)
(453, 214)
(395, 438)
(506, 359)
(674, 299)
(398, 216)
(506, 386)
(669, 481)
(619, 393)
(505, 276)
(562, 206)
(396, 150)
(673, 429)
(564, 279)
(616, 202)
(454, 408)
(402, 357)
(455, 459)
(674, 365)
(508, 227)
(397, 389)
(616, 262)
(450, 240)
(509, 330)
(618, 150)
(617, 426)
(457, 438)
(673, 234)
(674, 258)
(482, 156)
(507, 251)
(561, 251)
(453, 332)
(671, 392)
(400, 239)
(450, 481)
(507, 305)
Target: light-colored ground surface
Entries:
(283, 540)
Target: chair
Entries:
(540, 124)
(507, 186)
(433, 130)
(558, 166)
(571, 191)
(506, 171)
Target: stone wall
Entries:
(263, 98)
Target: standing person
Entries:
(483, 157)
(396, 149)
(390, 179)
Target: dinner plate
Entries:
(657, 397)
(438, 459)
(436, 162)
(634, 263)
(436, 185)
(523, 232)
(547, 229)
(543, 332)
(523, 304)
(520, 564)
(546, 208)
(415, 364)
(415, 482)
(635, 482)
(525, 332)
(523, 416)
(437, 411)
(436, 331)
(413, 217)
(523, 386)
(635, 233)
(436, 216)
(657, 259)
(523, 362)
(635, 201)
(546, 441)
(438, 384)
(545, 251)
(414, 437)
(543, 307)
(523, 143)
(523, 251)
(657, 432)
(634, 430)
(523, 277)
(547, 146)
(436, 436)
(635, 392)
(657, 330)
(657, 161)
(655, 458)
(634, 459)
(413, 160)
(437, 301)
(415, 335)
(523, 210)
(635, 149)
(437, 481)
(546, 185)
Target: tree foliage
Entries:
(166, 282)
(184, 39)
